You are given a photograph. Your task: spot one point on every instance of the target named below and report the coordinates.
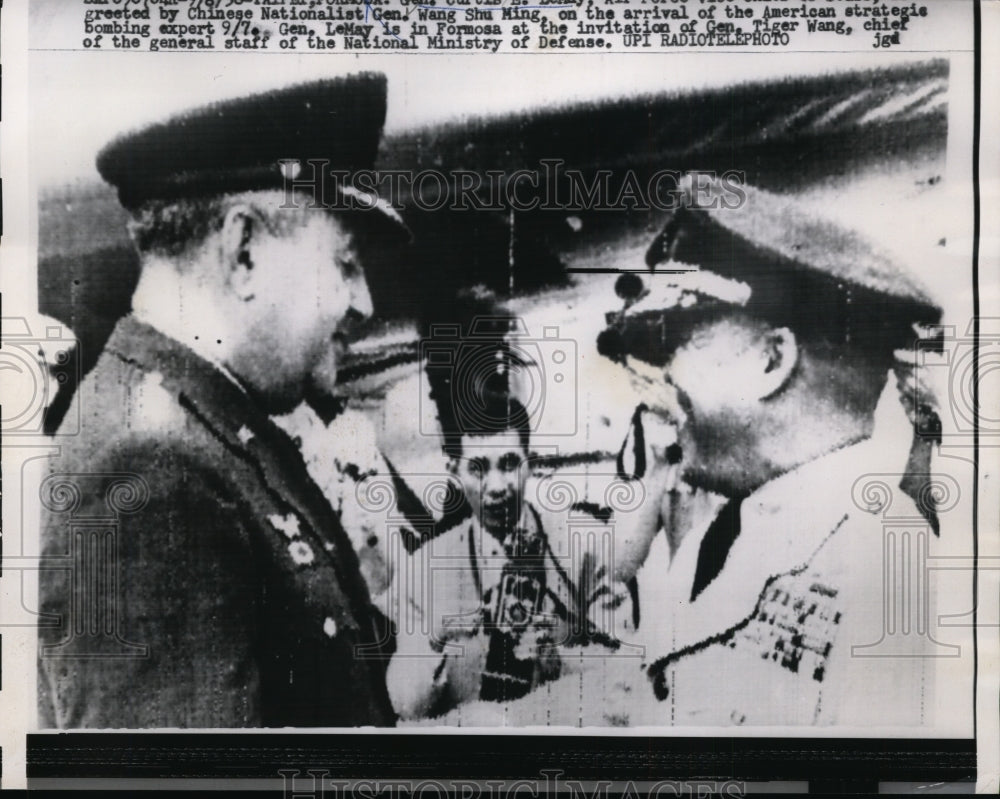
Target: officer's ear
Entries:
(779, 356)
(240, 228)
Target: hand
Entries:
(651, 453)
(458, 627)
(464, 668)
(654, 391)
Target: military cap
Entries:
(254, 143)
(772, 260)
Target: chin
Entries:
(490, 522)
(324, 374)
(499, 521)
(282, 399)
(707, 477)
(730, 482)
(721, 459)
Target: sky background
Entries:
(90, 98)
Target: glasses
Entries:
(653, 336)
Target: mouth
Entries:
(369, 362)
(366, 352)
(338, 342)
(501, 511)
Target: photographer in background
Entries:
(486, 610)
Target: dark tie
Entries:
(715, 546)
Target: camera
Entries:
(40, 364)
(950, 360)
(498, 356)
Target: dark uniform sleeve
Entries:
(174, 644)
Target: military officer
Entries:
(766, 337)
(234, 597)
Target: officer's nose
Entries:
(361, 298)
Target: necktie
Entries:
(715, 546)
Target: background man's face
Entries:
(715, 373)
(311, 289)
(493, 471)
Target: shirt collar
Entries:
(480, 534)
(218, 398)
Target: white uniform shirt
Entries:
(792, 630)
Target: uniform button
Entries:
(330, 627)
(301, 553)
(287, 524)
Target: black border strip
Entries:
(977, 97)
(458, 756)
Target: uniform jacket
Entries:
(793, 629)
(235, 598)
